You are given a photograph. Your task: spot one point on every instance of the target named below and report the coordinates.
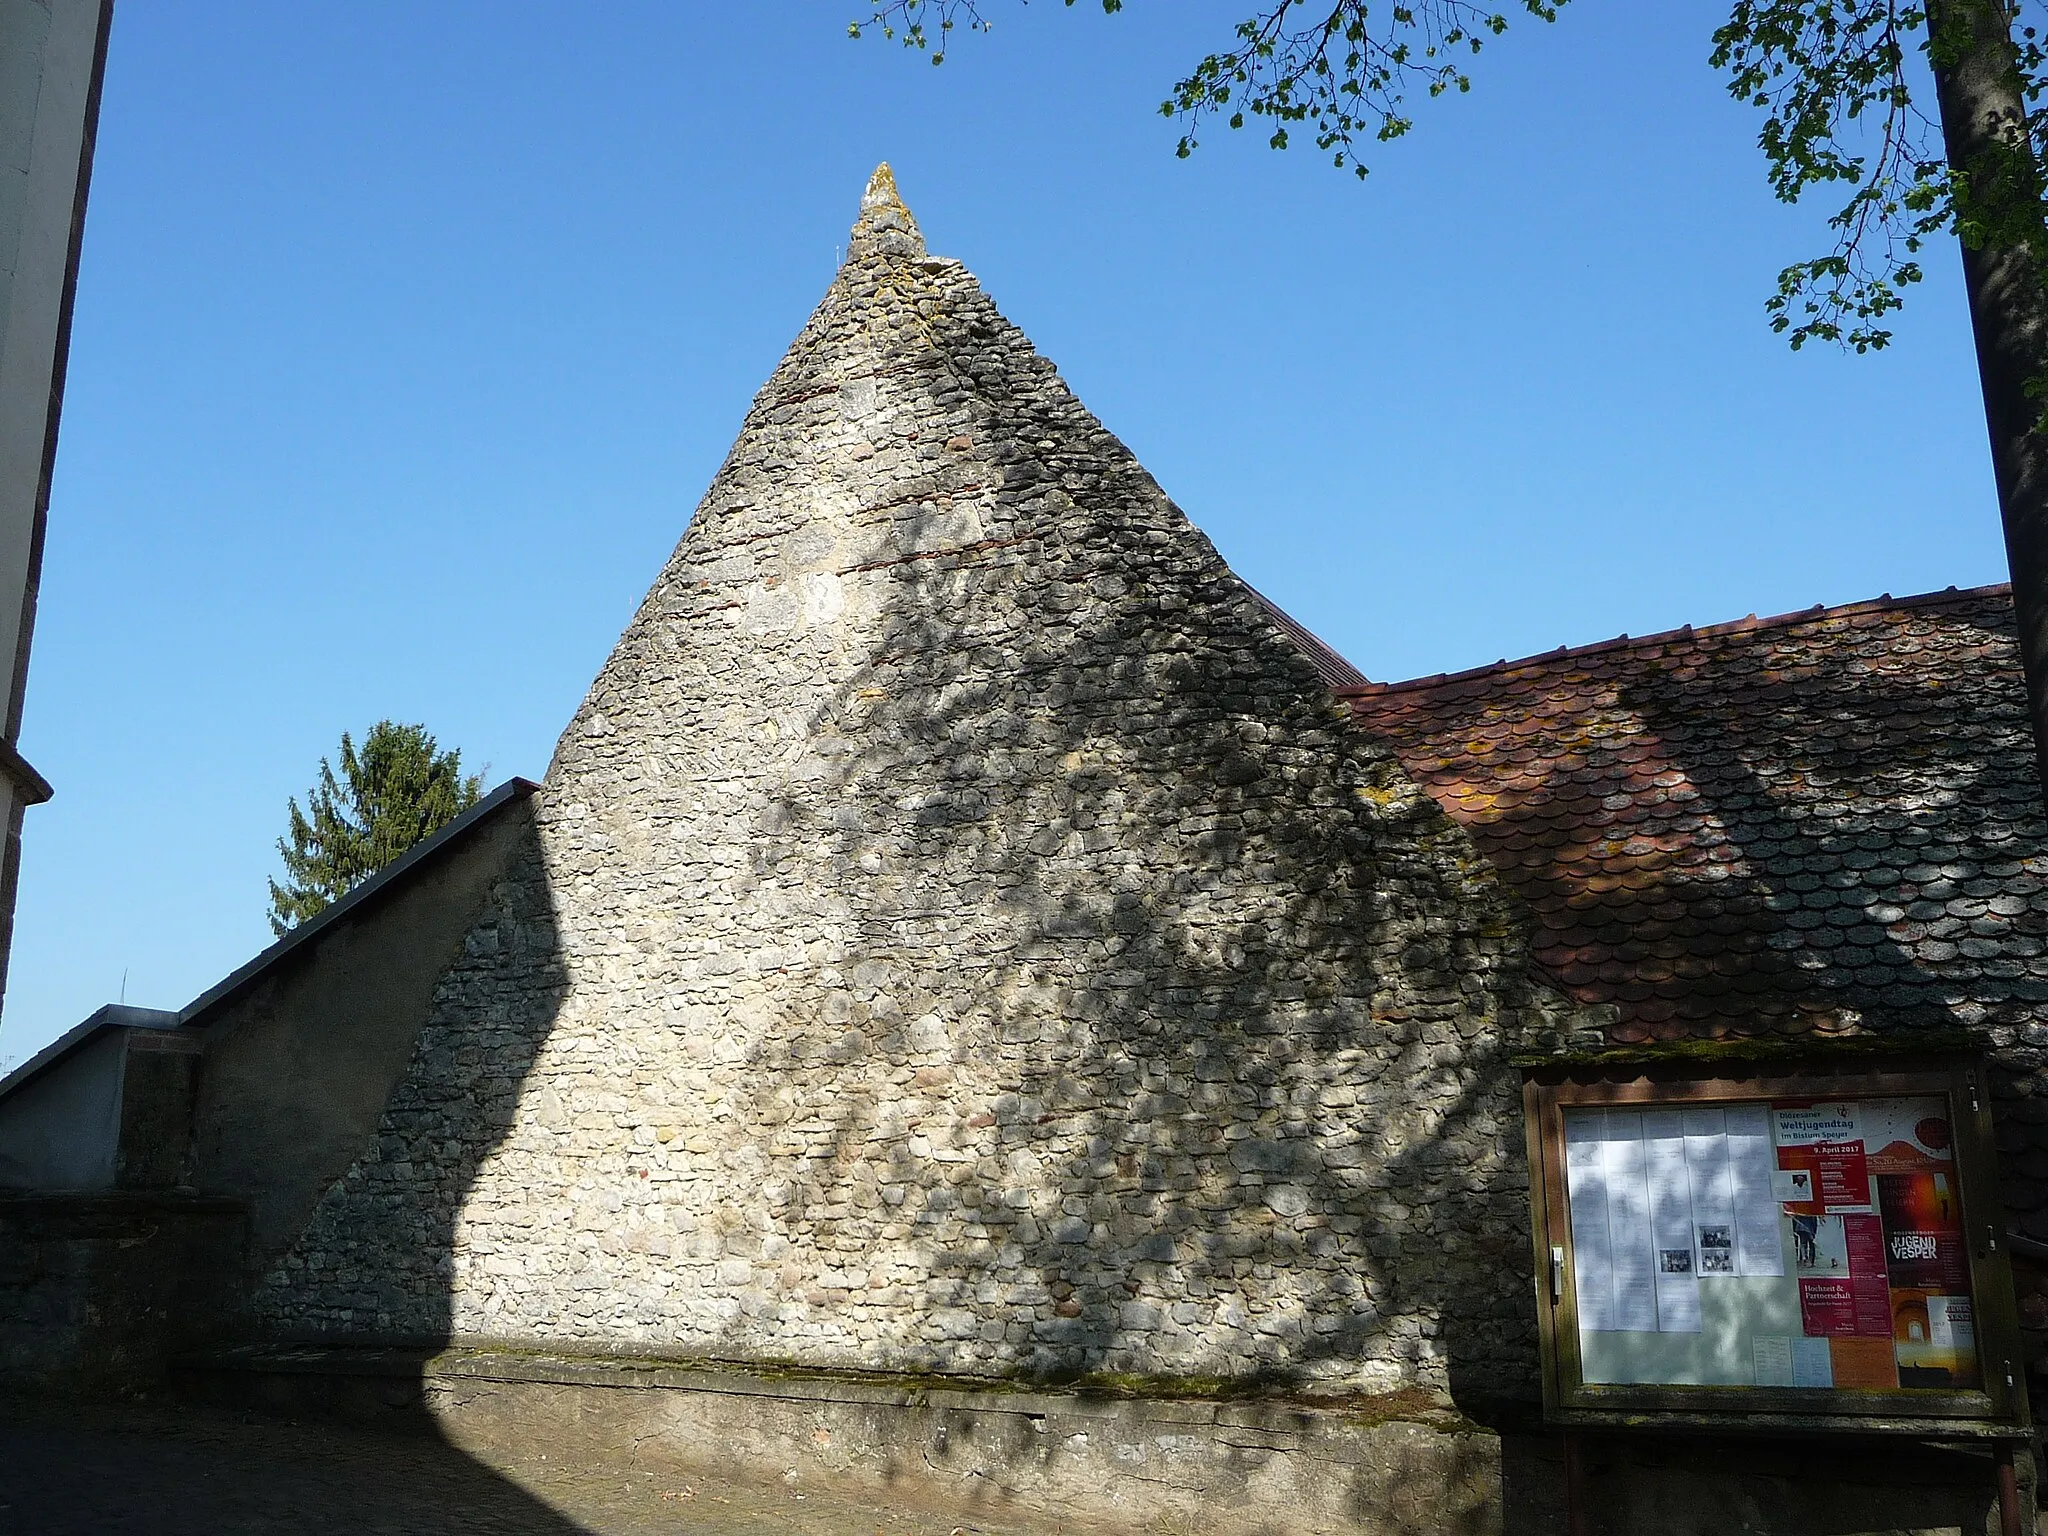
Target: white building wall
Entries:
(52, 56)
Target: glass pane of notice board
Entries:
(1780, 1243)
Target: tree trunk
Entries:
(1983, 117)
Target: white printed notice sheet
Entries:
(1585, 1137)
(1671, 1220)
(1629, 1239)
(1713, 1192)
(1586, 1178)
(1759, 1238)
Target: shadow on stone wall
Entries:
(1295, 1097)
(378, 1257)
(376, 1264)
(1281, 1076)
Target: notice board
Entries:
(1821, 1243)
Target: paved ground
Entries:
(169, 1470)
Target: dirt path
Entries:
(171, 1470)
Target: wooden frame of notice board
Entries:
(1839, 1276)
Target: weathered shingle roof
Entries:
(1826, 822)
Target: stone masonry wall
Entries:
(959, 934)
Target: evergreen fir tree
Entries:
(394, 791)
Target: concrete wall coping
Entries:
(1274, 1422)
(1236, 1468)
(182, 1199)
(370, 890)
(1264, 1418)
(102, 1019)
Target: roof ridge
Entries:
(361, 894)
(1749, 624)
(1335, 670)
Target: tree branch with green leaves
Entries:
(1346, 69)
(1833, 78)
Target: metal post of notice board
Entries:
(1574, 1485)
(2008, 1493)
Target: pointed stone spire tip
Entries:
(881, 190)
(885, 226)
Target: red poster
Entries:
(1854, 1306)
(1841, 1177)
(1826, 1141)
(1908, 1136)
(1923, 1231)
(1873, 1307)
(1840, 1261)
(1827, 1307)
(1863, 1238)
(1839, 1171)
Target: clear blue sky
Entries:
(409, 335)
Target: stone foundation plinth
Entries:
(1267, 1467)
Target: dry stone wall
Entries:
(958, 934)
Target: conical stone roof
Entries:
(959, 932)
